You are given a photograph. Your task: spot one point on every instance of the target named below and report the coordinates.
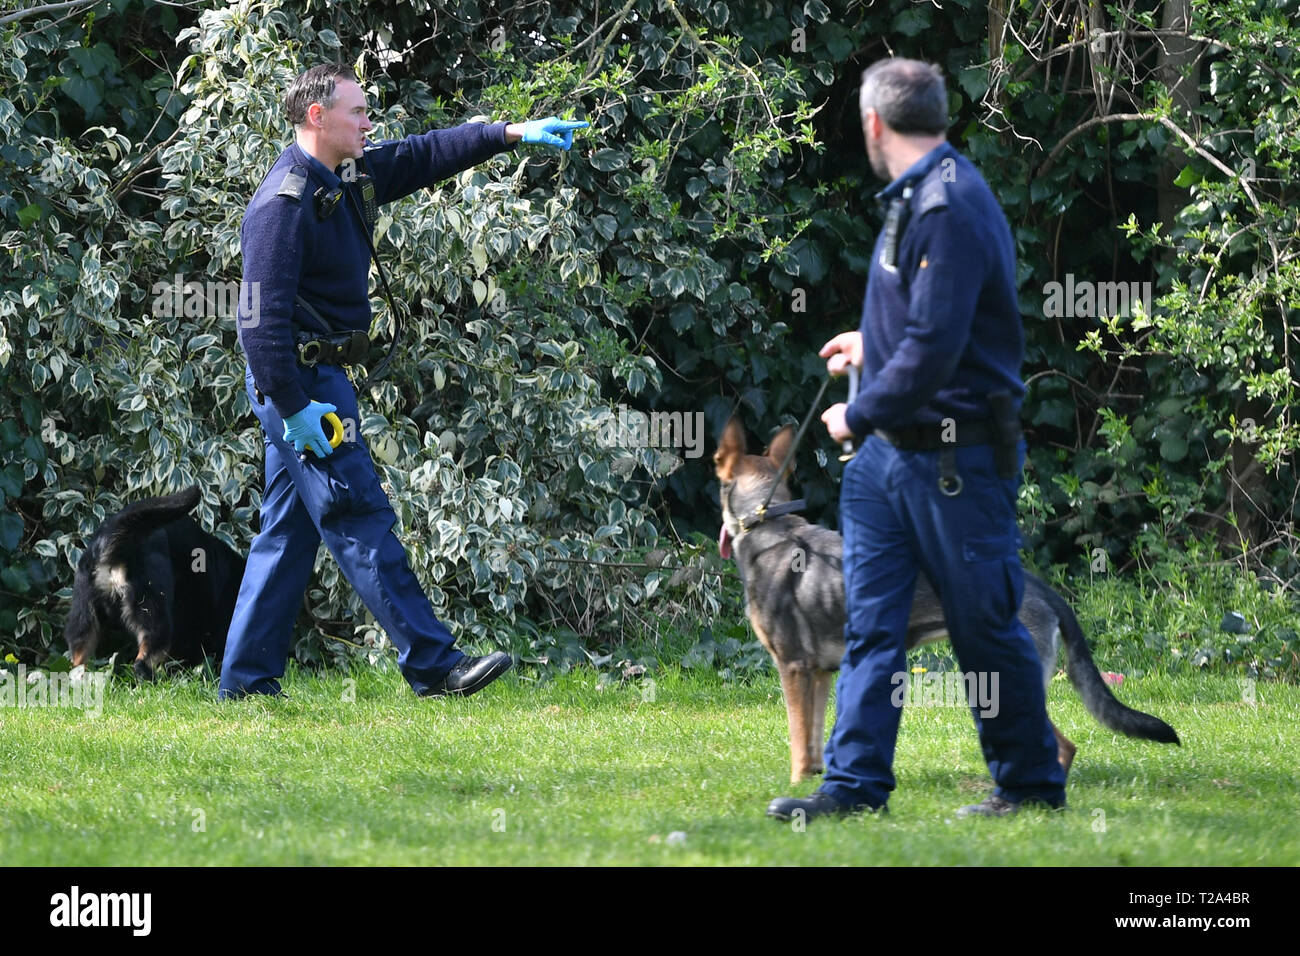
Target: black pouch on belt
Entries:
(329, 348)
(334, 348)
(1006, 422)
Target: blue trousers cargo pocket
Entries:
(989, 548)
(997, 579)
(348, 484)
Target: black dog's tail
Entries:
(1087, 680)
(144, 517)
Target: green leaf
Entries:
(839, 42)
(82, 380)
(974, 81)
(82, 92)
(1173, 448)
(682, 316)
(816, 10)
(1187, 177)
(11, 531)
(15, 579)
(675, 279)
(11, 480)
(913, 21)
(608, 159)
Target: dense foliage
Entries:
(705, 235)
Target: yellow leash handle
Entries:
(336, 429)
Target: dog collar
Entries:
(761, 514)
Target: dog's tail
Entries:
(1087, 680)
(144, 517)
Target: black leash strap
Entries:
(789, 456)
(379, 369)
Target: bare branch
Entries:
(45, 8)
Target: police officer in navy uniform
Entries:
(305, 304)
(932, 487)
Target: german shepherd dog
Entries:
(799, 614)
(150, 571)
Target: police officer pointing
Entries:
(306, 243)
(932, 488)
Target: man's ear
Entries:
(874, 125)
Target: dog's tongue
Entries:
(724, 542)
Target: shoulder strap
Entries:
(294, 183)
(933, 194)
(311, 310)
(388, 292)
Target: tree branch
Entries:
(45, 8)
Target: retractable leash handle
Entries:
(336, 428)
(335, 435)
(849, 449)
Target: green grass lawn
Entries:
(564, 773)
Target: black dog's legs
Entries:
(150, 616)
(84, 628)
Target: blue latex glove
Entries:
(303, 430)
(552, 131)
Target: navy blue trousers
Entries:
(896, 522)
(339, 500)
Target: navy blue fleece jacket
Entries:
(941, 329)
(289, 250)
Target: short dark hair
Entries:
(907, 94)
(314, 86)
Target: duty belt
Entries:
(329, 348)
(340, 348)
(936, 437)
(1002, 431)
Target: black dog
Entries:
(150, 571)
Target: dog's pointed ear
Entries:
(730, 450)
(780, 447)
